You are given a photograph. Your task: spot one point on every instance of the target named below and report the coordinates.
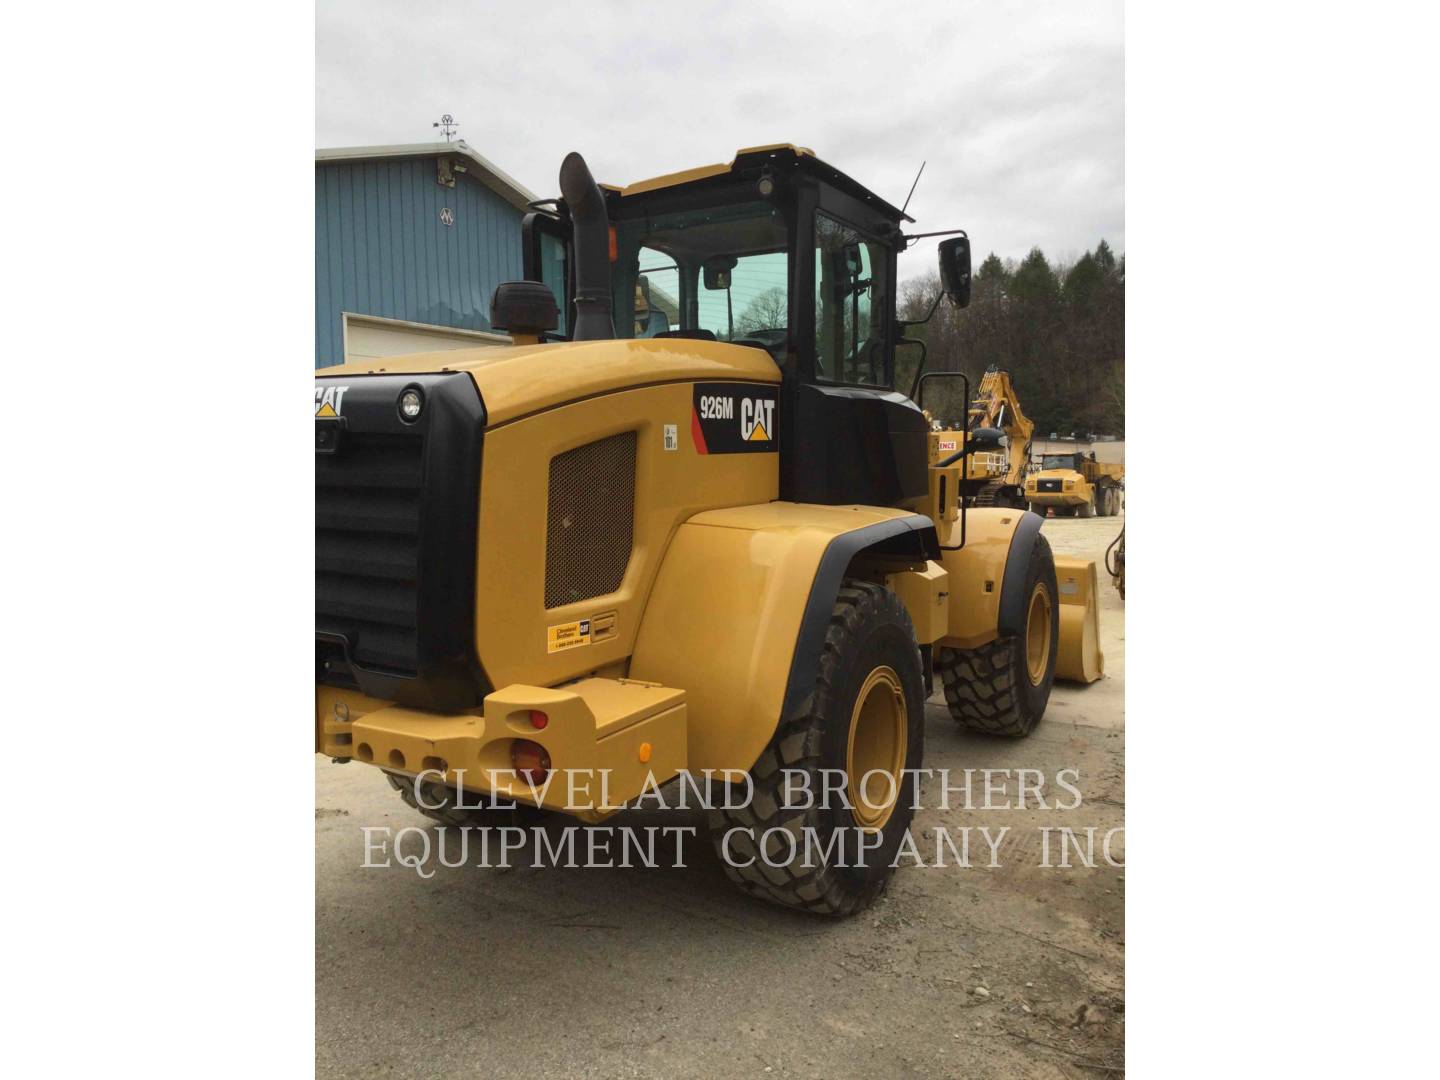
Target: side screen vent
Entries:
(592, 520)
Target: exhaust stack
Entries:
(593, 321)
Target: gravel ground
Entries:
(1010, 971)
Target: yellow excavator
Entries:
(994, 477)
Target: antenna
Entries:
(448, 127)
(912, 188)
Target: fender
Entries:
(1012, 588)
(987, 575)
(738, 613)
(910, 535)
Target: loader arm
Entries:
(996, 405)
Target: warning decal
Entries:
(734, 418)
(568, 635)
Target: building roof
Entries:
(484, 170)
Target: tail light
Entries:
(530, 760)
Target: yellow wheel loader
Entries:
(626, 552)
(1076, 485)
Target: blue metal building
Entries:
(410, 241)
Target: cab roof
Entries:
(799, 157)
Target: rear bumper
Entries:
(607, 740)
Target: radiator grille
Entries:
(367, 543)
(1048, 485)
(592, 520)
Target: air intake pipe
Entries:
(593, 321)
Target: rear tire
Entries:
(869, 689)
(1002, 688)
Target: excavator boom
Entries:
(995, 405)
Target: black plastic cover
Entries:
(524, 307)
(396, 516)
(855, 445)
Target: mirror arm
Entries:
(910, 238)
(920, 367)
(928, 315)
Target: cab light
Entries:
(530, 760)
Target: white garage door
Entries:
(368, 337)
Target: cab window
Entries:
(850, 305)
(719, 273)
(657, 295)
(552, 271)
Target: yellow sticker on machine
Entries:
(567, 635)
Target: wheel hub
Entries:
(875, 759)
(1037, 634)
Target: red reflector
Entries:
(530, 760)
(614, 246)
(538, 720)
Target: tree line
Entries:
(1058, 329)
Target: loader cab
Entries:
(780, 252)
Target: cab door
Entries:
(852, 438)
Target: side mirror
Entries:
(955, 269)
(716, 271)
(854, 263)
(983, 439)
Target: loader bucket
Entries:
(1079, 659)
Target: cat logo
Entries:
(734, 418)
(327, 400)
(756, 419)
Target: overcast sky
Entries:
(1018, 107)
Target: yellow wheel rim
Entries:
(879, 729)
(1037, 634)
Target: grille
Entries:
(367, 544)
(1048, 485)
(592, 519)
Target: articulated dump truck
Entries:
(1076, 485)
(682, 539)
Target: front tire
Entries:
(865, 715)
(1002, 688)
